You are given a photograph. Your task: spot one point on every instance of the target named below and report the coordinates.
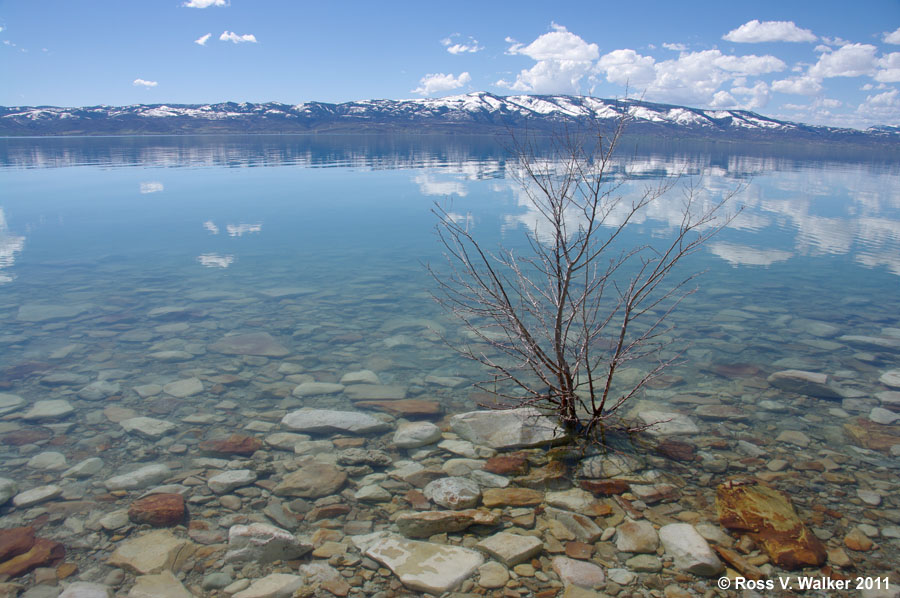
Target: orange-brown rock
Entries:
(65, 570)
(327, 512)
(579, 550)
(870, 435)
(511, 497)
(552, 476)
(856, 540)
(43, 553)
(605, 487)
(158, 510)
(768, 517)
(513, 464)
(677, 450)
(236, 444)
(15, 541)
(422, 524)
(410, 407)
(739, 563)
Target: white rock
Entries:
(805, 383)
(162, 584)
(689, 550)
(425, 567)
(8, 489)
(48, 460)
(372, 493)
(453, 493)
(274, 585)
(309, 389)
(147, 427)
(36, 495)
(328, 421)
(225, 482)
(416, 434)
(9, 403)
(263, 543)
(573, 499)
(662, 423)
(891, 378)
(883, 416)
(511, 428)
(582, 527)
(511, 549)
(486, 479)
(285, 441)
(609, 466)
(51, 409)
(184, 388)
(143, 477)
(147, 390)
(360, 377)
(171, 356)
(577, 573)
(99, 390)
(84, 589)
(638, 537)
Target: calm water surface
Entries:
(114, 250)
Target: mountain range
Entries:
(473, 113)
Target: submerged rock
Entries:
(801, 382)
(767, 515)
(254, 343)
(423, 524)
(152, 552)
(453, 493)
(511, 549)
(139, 478)
(689, 550)
(312, 480)
(51, 409)
(510, 428)
(263, 543)
(324, 421)
(425, 567)
(9, 403)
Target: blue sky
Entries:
(822, 62)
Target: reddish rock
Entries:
(44, 553)
(856, 540)
(417, 500)
(27, 436)
(553, 476)
(158, 510)
(579, 550)
(768, 517)
(407, 407)
(327, 512)
(236, 444)
(511, 497)
(605, 487)
(513, 464)
(870, 435)
(15, 541)
(676, 450)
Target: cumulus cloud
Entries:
(675, 47)
(231, 36)
(769, 31)
(151, 187)
(883, 107)
(805, 86)
(204, 3)
(201, 41)
(454, 47)
(889, 68)
(439, 82)
(563, 60)
(892, 37)
(627, 67)
(852, 60)
(144, 83)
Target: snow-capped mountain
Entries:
(478, 112)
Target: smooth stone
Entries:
(184, 388)
(375, 392)
(511, 497)
(511, 549)
(285, 440)
(492, 575)
(311, 480)
(139, 478)
(49, 460)
(582, 527)
(263, 543)
(453, 493)
(161, 585)
(323, 421)
(639, 537)
(172, 356)
(311, 389)
(50, 409)
(9, 403)
(360, 377)
(45, 312)
(216, 580)
(690, 550)
(504, 429)
(883, 416)
(37, 495)
(86, 589)
(423, 524)
(488, 480)
(793, 437)
(578, 573)
(573, 499)
(158, 510)
(147, 390)
(225, 482)
(115, 520)
(255, 343)
(152, 552)
(609, 466)
(372, 493)
(274, 585)
(416, 434)
(623, 577)
(8, 489)
(99, 390)
(64, 379)
(661, 423)
(805, 383)
(644, 563)
(425, 567)
(147, 427)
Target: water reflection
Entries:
(10, 245)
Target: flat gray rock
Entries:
(36, 495)
(44, 312)
(511, 549)
(181, 389)
(509, 428)
(425, 567)
(453, 492)
(99, 390)
(662, 423)
(890, 378)
(415, 434)
(812, 384)
(254, 343)
(225, 482)
(8, 489)
(148, 427)
(143, 477)
(263, 543)
(689, 550)
(9, 403)
(52, 409)
(312, 389)
(375, 392)
(326, 421)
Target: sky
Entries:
(820, 62)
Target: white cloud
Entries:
(438, 82)
(675, 47)
(852, 60)
(769, 31)
(468, 47)
(831, 103)
(889, 71)
(755, 97)
(231, 36)
(143, 83)
(152, 187)
(201, 41)
(204, 3)
(805, 86)
(892, 37)
(882, 107)
(627, 67)
(563, 60)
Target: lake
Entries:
(216, 284)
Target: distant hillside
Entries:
(474, 113)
